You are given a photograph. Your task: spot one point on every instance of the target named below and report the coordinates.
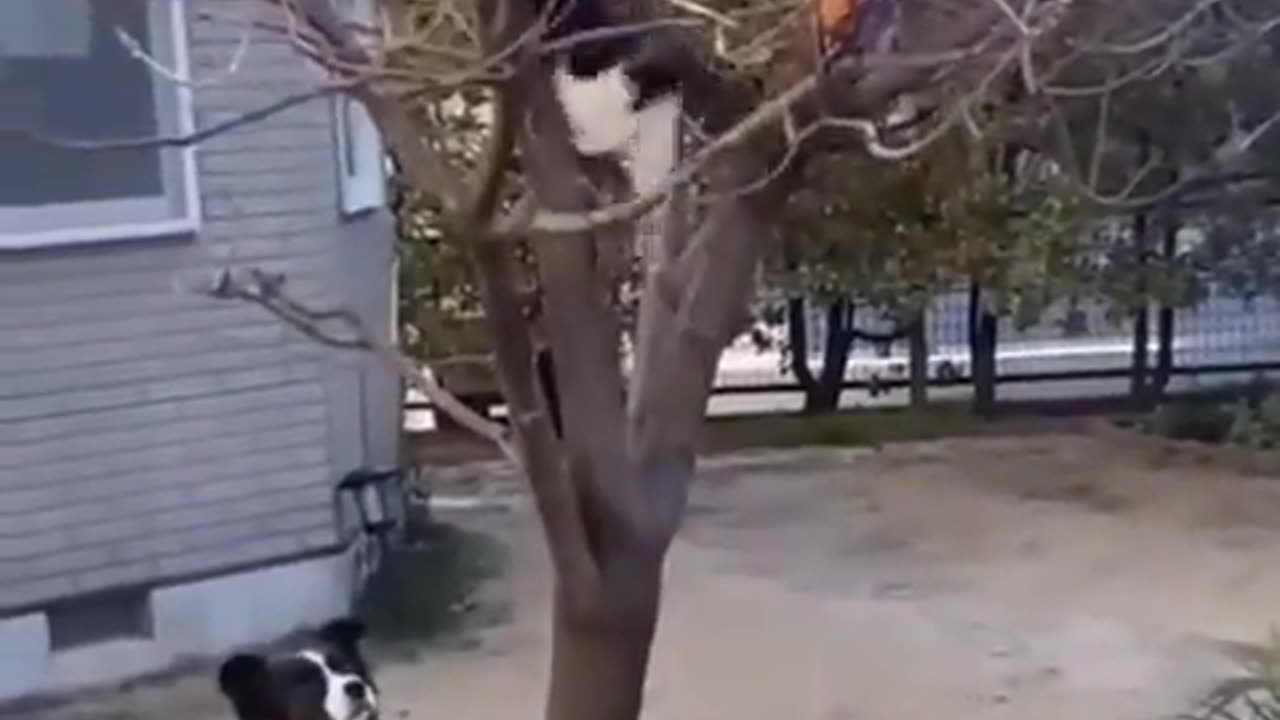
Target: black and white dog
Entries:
(329, 680)
(620, 92)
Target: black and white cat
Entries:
(620, 95)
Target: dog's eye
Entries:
(305, 675)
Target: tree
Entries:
(828, 260)
(868, 234)
(610, 487)
(889, 237)
(1151, 178)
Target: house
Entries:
(168, 461)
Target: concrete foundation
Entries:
(201, 619)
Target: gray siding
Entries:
(147, 433)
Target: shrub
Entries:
(1192, 421)
(1254, 694)
(1251, 421)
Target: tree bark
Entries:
(1139, 364)
(1165, 318)
(983, 342)
(821, 392)
(1138, 371)
(629, 457)
(823, 395)
(918, 357)
(1164, 352)
(599, 660)
(547, 379)
(798, 342)
(1139, 312)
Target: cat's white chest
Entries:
(599, 109)
(604, 121)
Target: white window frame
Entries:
(361, 155)
(176, 212)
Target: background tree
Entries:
(1155, 182)
(890, 237)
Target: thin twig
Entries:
(182, 140)
(266, 291)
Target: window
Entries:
(362, 171)
(100, 617)
(65, 74)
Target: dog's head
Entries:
(328, 680)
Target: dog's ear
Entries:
(244, 679)
(343, 633)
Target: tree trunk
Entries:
(1139, 363)
(983, 339)
(599, 658)
(547, 379)
(798, 343)
(1139, 313)
(918, 349)
(821, 391)
(823, 396)
(1165, 317)
(1164, 352)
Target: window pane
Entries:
(104, 94)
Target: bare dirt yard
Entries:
(1088, 576)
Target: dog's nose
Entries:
(354, 690)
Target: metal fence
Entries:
(1075, 351)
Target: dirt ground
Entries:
(1070, 576)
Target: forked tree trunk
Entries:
(600, 658)
(613, 497)
(821, 392)
(610, 490)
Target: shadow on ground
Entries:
(434, 590)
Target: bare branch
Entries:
(1100, 140)
(266, 291)
(1163, 36)
(1228, 152)
(616, 31)
(136, 51)
(248, 118)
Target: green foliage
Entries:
(1252, 420)
(894, 235)
(441, 320)
(1123, 145)
(438, 300)
(1257, 426)
(1241, 250)
(1202, 422)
